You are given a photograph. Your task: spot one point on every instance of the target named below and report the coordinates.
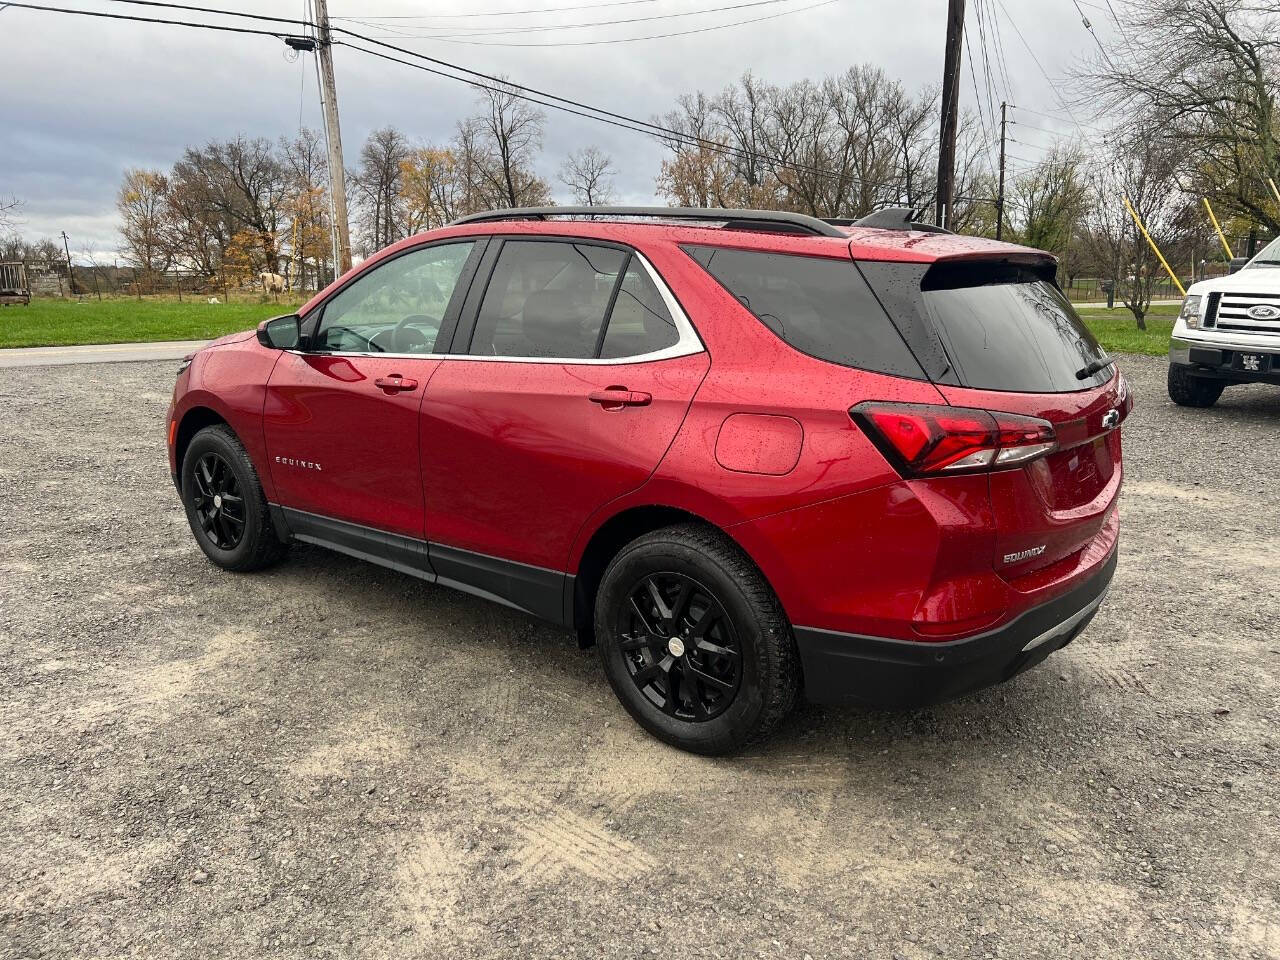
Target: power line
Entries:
(1001, 58)
(653, 36)
(1040, 66)
(982, 120)
(174, 23)
(542, 28)
(195, 8)
(498, 13)
(539, 97)
(1089, 27)
(493, 82)
(623, 122)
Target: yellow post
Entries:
(1273, 189)
(1165, 263)
(1221, 236)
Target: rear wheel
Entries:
(225, 504)
(694, 642)
(1188, 390)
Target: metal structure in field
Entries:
(13, 284)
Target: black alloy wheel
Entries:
(681, 648)
(218, 501)
(694, 641)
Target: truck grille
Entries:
(1233, 313)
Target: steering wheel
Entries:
(408, 339)
(359, 336)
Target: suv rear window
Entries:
(821, 307)
(1007, 327)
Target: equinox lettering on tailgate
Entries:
(1024, 554)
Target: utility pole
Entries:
(71, 274)
(1004, 124)
(333, 138)
(950, 112)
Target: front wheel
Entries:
(694, 642)
(1188, 390)
(225, 504)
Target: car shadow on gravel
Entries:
(519, 669)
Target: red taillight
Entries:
(924, 438)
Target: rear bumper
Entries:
(1215, 361)
(874, 671)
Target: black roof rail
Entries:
(895, 218)
(767, 221)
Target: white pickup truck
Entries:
(1228, 332)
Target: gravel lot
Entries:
(334, 760)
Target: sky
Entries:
(87, 98)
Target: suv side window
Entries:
(547, 299)
(640, 322)
(820, 306)
(398, 306)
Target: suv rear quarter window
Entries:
(820, 306)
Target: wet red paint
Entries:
(516, 461)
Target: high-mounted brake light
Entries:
(922, 439)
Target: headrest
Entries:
(550, 310)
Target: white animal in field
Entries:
(271, 282)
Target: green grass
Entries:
(47, 323)
(61, 322)
(1119, 333)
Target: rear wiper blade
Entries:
(1094, 367)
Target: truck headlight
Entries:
(1190, 314)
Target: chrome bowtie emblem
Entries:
(1264, 311)
(1110, 418)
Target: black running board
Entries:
(534, 590)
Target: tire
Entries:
(730, 653)
(216, 469)
(1188, 390)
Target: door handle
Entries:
(615, 398)
(396, 383)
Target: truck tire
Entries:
(1188, 390)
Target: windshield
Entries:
(1268, 256)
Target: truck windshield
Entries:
(1268, 256)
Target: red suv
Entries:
(745, 453)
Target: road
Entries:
(333, 760)
(98, 353)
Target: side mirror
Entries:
(281, 333)
(1237, 263)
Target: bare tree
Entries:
(1046, 202)
(506, 136)
(1208, 74)
(589, 174)
(842, 147)
(142, 203)
(241, 186)
(377, 183)
(307, 205)
(1143, 169)
(7, 209)
(433, 191)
